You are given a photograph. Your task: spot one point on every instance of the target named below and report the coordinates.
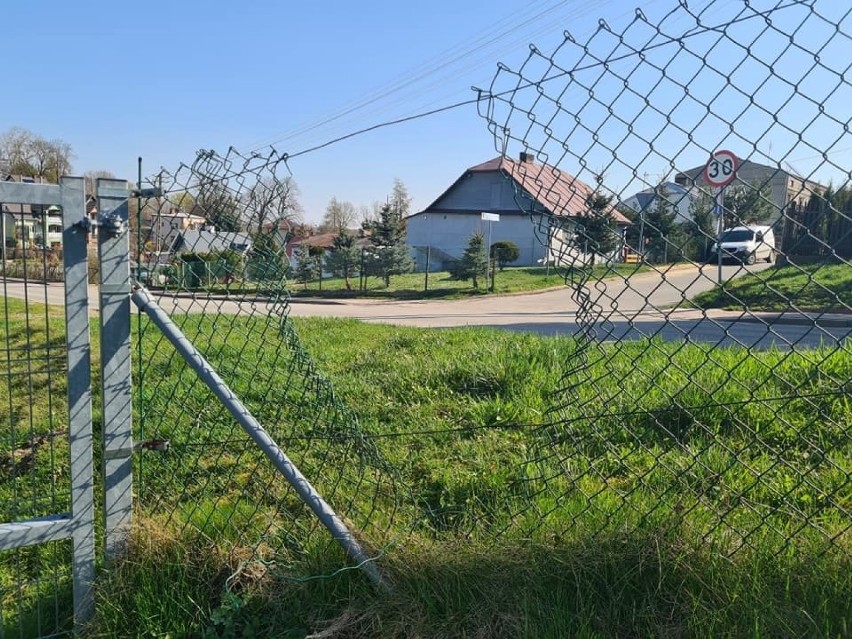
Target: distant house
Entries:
(165, 227)
(282, 231)
(324, 241)
(29, 225)
(784, 187)
(679, 197)
(538, 205)
(207, 241)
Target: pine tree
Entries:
(342, 260)
(474, 262)
(389, 255)
(663, 236)
(596, 230)
(306, 267)
(701, 229)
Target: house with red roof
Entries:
(538, 206)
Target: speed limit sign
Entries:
(721, 169)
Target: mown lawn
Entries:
(440, 284)
(677, 490)
(811, 287)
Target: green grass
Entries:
(678, 494)
(441, 285)
(682, 490)
(35, 582)
(811, 287)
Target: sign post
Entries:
(490, 218)
(719, 172)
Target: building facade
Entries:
(783, 187)
(537, 205)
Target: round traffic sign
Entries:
(721, 169)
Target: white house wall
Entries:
(482, 191)
(449, 223)
(449, 233)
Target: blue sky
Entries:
(162, 79)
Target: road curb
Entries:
(158, 295)
(828, 320)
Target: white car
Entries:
(746, 244)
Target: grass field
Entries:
(811, 287)
(440, 284)
(680, 490)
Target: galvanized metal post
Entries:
(75, 255)
(270, 448)
(114, 262)
(720, 229)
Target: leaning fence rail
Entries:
(323, 511)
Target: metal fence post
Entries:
(114, 263)
(75, 256)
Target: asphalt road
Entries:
(626, 309)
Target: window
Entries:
(737, 235)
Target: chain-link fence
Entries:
(226, 291)
(694, 418)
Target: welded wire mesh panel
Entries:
(710, 386)
(34, 456)
(213, 253)
(36, 591)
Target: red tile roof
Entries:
(326, 240)
(560, 193)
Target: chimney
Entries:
(527, 157)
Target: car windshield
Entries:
(738, 235)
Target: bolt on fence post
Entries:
(270, 448)
(114, 290)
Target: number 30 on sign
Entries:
(721, 169)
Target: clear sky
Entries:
(163, 78)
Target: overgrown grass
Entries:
(811, 287)
(682, 490)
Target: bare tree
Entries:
(91, 180)
(34, 156)
(369, 214)
(400, 200)
(14, 148)
(269, 201)
(339, 216)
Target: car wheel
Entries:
(750, 259)
(771, 257)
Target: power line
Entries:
(382, 125)
(470, 65)
(443, 62)
(425, 69)
(667, 41)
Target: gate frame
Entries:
(78, 524)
